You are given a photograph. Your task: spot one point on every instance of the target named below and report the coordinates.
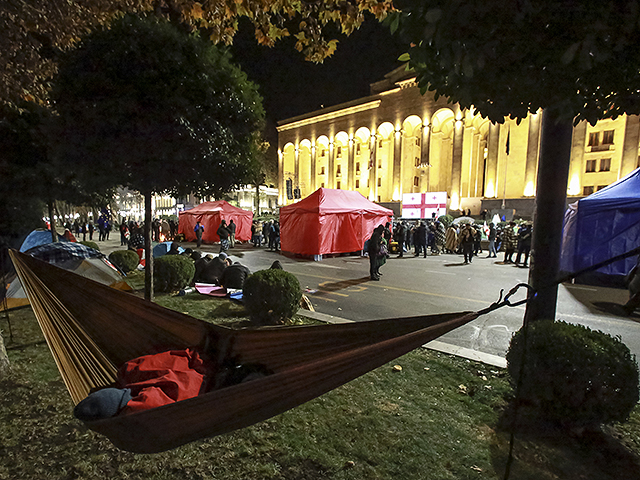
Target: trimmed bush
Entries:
(125, 260)
(446, 220)
(573, 375)
(172, 272)
(272, 296)
(90, 244)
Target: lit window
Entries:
(587, 190)
(357, 183)
(591, 166)
(607, 137)
(593, 139)
(416, 181)
(605, 165)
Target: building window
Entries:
(379, 182)
(357, 148)
(357, 183)
(357, 167)
(416, 181)
(591, 166)
(322, 185)
(379, 199)
(607, 137)
(593, 139)
(587, 190)
(600, 187)
(339, 154)
(380, 144)
(338, 185)
(368, 182)
(322, 152)
(321, 170)
(418, 141)
(417, 162)
(605, 164)
(338, 170)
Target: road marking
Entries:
(575, 287)
(484, 302)
(324, 298)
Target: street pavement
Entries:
(339, 289)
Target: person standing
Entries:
(492, 241)
(398, 234)
(91, 229)
(421, 240)
(509, 242)
(466, 241)
(199, 230)
(123, 233)
(232, 234)
(223, 233)
(451, 239)
(524, 244)
(373, 249)
(440, 237)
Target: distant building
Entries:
(397, 141)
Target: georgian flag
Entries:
(424, 205)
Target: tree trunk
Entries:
(52, 223)
(551, 198)
(148, 250)
(4, 359)
(257, 200)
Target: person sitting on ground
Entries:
(234, 276)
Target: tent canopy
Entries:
(329, 221)
(603, 225)
(39, 237)
(73, 257)
(210, 215)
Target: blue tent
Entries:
(37, 238)
(601, 226)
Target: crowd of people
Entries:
(431, 237)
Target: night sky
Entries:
(292, 86)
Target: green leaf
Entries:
(405, 57)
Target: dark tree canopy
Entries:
(572, 58)
(32, 33)
(152, 108)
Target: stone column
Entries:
(456, 161)
(630, 147)
(491, 177)
(313, 168)
(533, 149)
(351, 170)
(396, 184)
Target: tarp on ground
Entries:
(74, 257)
(601, 226)
(210, 214)
(329, 221)
(39, 237)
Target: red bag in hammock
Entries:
(160, 379)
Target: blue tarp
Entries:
(37, 238)
(603, 225)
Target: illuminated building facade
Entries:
(397, 141)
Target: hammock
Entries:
(92, 329)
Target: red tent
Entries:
(210, 214)
(329, 221)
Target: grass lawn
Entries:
(438, 418)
